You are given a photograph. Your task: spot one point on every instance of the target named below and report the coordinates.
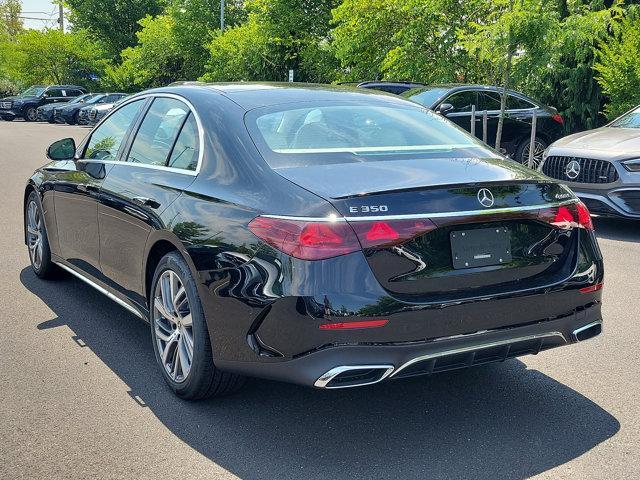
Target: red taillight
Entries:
(321, 240)
(376, 234)
(306, 240)
(568, 216)
(353, 325)
(592, 288)
(558, 118)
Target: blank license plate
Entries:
(480, 247)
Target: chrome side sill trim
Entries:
(586, 327)
(334, 372)
(477, 347)
(101, 290)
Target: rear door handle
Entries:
(147, 202)
(87, 188)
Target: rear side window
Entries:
(106, 139)
(515, 103)
(158, 132)
(186, 149)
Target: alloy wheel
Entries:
(538, 151)
(34, 234)
(31, 114)
(173, 326)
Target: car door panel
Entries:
(137, 192)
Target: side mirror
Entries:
(64, 149)
(445, 108)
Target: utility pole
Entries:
(222, 15)
(61, 17)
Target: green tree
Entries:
(278, 35)
(113, 23)
(517, 34)
(420, 40)
(10, 22)
(617, 67)
(54, 57)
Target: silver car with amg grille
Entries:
(601, 166)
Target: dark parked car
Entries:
(45, 112)
(26, 104)
(77, 112)
(98, 112)
(455, 102)
(602, 166)
(317, 235)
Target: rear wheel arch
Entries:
(157, 248)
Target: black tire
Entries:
(74, 119)
(45, 268)
(522, 152)
(203, 380)
(31, 114)
(7, 118)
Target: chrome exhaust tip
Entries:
(588, 331)
(353, 376)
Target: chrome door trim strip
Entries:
(489, 211)
(481, 346)
(101, 290)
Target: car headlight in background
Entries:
(632, 165)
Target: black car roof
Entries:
(251, 95)
(453, 87)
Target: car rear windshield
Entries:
(630, 120)
(321, 133)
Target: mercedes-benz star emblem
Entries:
(485, 197)
(572, 170)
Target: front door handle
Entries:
(87, 188)
(147, 202)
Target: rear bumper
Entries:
(330, 366)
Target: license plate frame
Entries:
(480, 247)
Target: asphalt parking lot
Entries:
(82, 397)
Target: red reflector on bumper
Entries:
(354, 325)
(592, 288)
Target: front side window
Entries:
(106, 139)
(327, 133)
(462, 101)
(158, 132)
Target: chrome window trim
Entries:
(414, 216)
(480, 346)
(100, 289)
(142, 96)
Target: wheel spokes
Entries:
(172, 323)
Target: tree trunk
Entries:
(503, 98)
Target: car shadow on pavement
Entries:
(617, 229)
(498, 421)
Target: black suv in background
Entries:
(455, 101)
(26, 104)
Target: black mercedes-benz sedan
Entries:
(325, 236)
